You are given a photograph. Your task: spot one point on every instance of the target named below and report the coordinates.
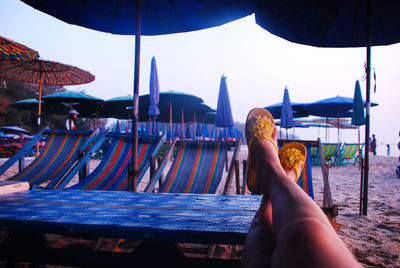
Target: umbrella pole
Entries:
(170, 116)
(183, 124)
(39, 110)
(368, 100)
(133, 176)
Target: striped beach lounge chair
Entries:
(349, 153)
(112, 172)
(330, 152)
(197, 167)
(63, 148)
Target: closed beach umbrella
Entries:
(358, 23)
(43, 72)
(287, 112)
(357, 116)
(15, 51)
(154, 91)
(147, 18)
(223, 118)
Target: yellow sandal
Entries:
(293, 156)
(259, 124)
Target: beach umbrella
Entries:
(15, 51)
(71, 97)
(154, 91)
(43, 72)
(117, 107)
(147, 18)
(116, 128)
(286, 112)
(357, 116)
(223, 117)
(297, 108)
(14, 129)
(176, 106)
(357, 23)
(87, 105)
(47, 108)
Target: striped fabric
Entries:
(305, 181)
(112, 172)
(329, 150)
(197, 168)
(58, 155)
(349, 151)
(314, 155)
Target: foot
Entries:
(261, 139)
(292, 157)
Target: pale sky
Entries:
(258, 66)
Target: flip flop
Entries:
(259, 125)
(293, 156)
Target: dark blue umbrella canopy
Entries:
(223, 117)
(334, 23)
(358, 117)
(297, 108)
(332, 107)
(154, 90)
(287, 112)
(157, 16)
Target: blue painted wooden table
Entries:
(193, 218)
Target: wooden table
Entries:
(191, 218)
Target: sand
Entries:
(373, 239)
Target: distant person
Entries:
(71, 121)
(373, 144)
(388, 149)
(370, 146)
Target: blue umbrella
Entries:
(223, 117)
(117, 129)
(297, 108)
(154, 91)
(354, 23)
(287, 112)
(153, 18)
(358, 117)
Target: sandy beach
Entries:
(373, 239)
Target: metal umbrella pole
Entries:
(133, 171)
(367, 111)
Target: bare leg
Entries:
(304, 237)
(260, 242)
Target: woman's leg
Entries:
(302, 233)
